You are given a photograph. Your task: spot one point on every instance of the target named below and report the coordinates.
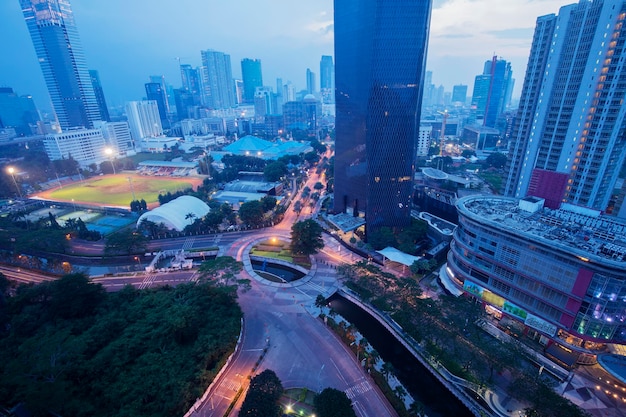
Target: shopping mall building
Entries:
(556, 276)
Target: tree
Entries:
(311, 157)
(251, 213)
(468, 153)
(220, 270)
(333, 403)
(306, 237)
(318, 186)
(268, 203)
(381, 238)
(125, 242)
(274, 171)
(496, 160)
(74, 296)
(262, 399)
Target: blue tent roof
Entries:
(248, 143)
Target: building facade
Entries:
(380, 58)
(303, 115)
(59, 51)
(311, 85)
(560, 273)
(85, 146)
(327, 79)
(459, 94)
(155, 92)
(252, 78)
(217, 80)
(99, 92)
(144, 119)
(571, 119)
(17, 112)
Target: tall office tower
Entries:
(380, 57)
(167, 90)
(191, 81)
(217, 80)
(155, 91)
(492, 91)
(252, 78)
(55, 37)
(310, 81)
(289, 92)
(279, 96)
(97, 89)
(143, 119)
(327, 79)
(571, 119)
(459, 94)
(428, 90)
(264, 103)
(17, 112)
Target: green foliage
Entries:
(306, 237)
(262, 399)
(130, 353)
(381, 238)
(251, 213)
(221, 270)
(274, 171)
(125, 242)
(333, 403)
(268, 203)
(496, 160)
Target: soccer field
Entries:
(118, 190)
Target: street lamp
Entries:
(109, 153)
(11, 172)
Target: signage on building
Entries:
(540, 324)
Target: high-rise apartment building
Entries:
(17, 112)
(327, 79)
(571, 118)
(252, 78)
(97, 89)
(55, 37)
(217, 80)
(191, 82)
(492, 91)
(380, 58)
(143, 119)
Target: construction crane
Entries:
(442, 138)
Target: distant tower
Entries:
(310, 81)
(217, 80)
(252, 78)
(380, 56)
(571, 118)
(143, 119)
(327, 79)
(155, 91)
(97, 89)
(492, 90)
(459, 94)
(55, 37)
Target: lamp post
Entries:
(11, 171)
(109, 153)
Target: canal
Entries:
(418, 381)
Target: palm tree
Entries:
(400, 392)
(387, 369)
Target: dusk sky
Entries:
(127, 41)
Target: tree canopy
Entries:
(333, 403)
(71, 349)
(306, 237)
(262, 399)
(251, 213)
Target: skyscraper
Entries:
(380, 53)
(310, 81)
(97, 89)
(217, 80)
(55, 37)
(18, 112)
(459, 94)
(252, 78)
(492, 90)
(155, 91)
(327, 79)
(571, 120)
(191, 81)
(143, 119)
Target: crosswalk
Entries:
(147, 281)
(188, 244)
(230, 385)
(358, 389)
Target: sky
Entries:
(127, 41)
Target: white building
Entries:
(117, 136)
(423, 140)
(86, 146)
(143, 119)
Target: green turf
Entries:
(116, 189)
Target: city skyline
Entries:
(288, 39)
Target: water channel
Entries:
(418, 381)
(276, 272)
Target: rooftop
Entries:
(575, 230)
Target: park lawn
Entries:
(118, 189)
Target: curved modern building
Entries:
(560, 275)
(178, 213)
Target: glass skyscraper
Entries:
(252, 78)
(55, 37)
(97, 89)
(380, 58)
(217, 80)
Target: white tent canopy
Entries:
(396, 255)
